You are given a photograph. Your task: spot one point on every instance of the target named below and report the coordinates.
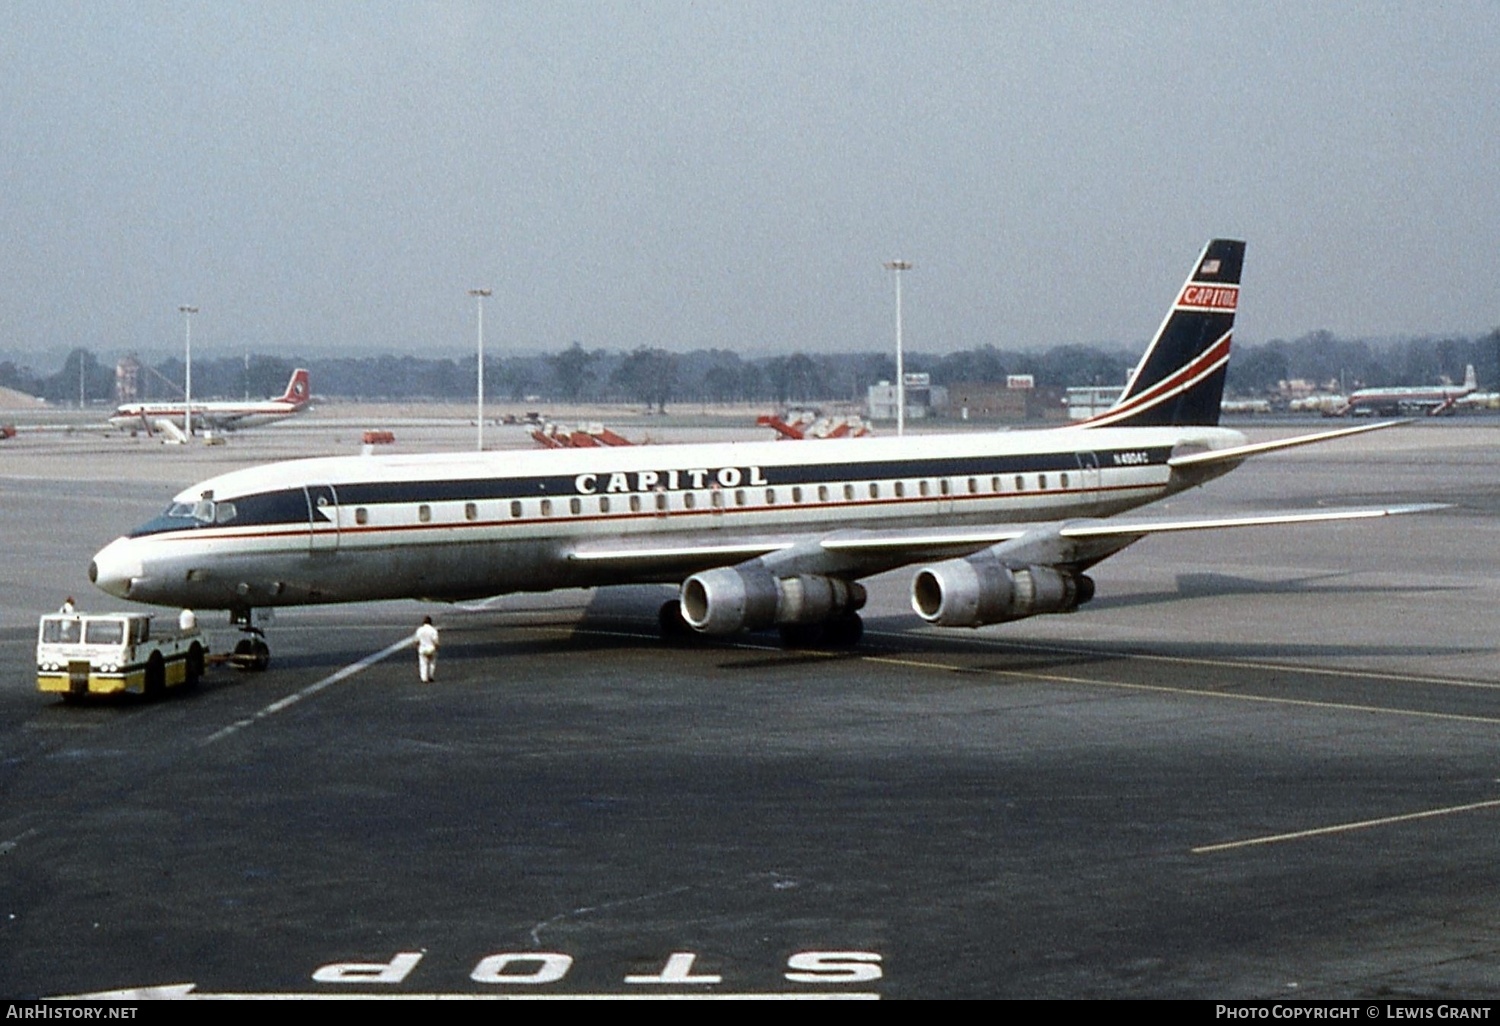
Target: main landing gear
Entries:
(251, 652)
(843, 631)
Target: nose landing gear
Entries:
(251, 652)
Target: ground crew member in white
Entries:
(427, 647)
(67, 606)
(187, 621)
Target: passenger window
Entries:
(1020, 483)
(361, 515)
(546, 507)
(575, 506)
(900, 489)
(424, 513)
(1041, 481)
(739, 497)
(770, 496)
(471, 511)
(1064, 482)
(849, 492)
(718, 499)
(874, 489)
(635, 504)
(689, 500)
(604, 504)
(515, 508)
(924, 486)
(661, 502)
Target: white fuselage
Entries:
(224, 415)
(463, 525)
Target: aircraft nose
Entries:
(115, 567)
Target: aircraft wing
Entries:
(1243, 452)
(859, 553)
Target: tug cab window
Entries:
(104, 632)
(60, 631)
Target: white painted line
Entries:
(1344, 827)
(312, 689)
(6, 847)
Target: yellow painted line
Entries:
(1077, 681)
(1341, 828)
(189, 992)
(1317, 671)
(1094, 682)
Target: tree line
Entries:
(655, 377)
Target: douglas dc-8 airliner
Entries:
(1004, 525)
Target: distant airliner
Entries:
(757, 534)
(1433, 401)
(220, 416)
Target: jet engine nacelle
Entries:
(751, 597)
(980, 589)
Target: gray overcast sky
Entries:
(333, 177)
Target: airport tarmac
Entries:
(1261, 764)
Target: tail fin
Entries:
(297, 389)
(1180, 380)
(1471, 380)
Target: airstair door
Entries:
(1088, 477)
(322, 518)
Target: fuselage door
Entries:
(1088, 477)
(322, 518)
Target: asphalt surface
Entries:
(1262, 764)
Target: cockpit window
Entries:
(283, 506)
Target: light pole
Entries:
(898, 266)
(187, 407)
(479, 296)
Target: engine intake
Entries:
(979, 590)
(750, 597)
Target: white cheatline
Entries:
(312, 689)
(1341, 828)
